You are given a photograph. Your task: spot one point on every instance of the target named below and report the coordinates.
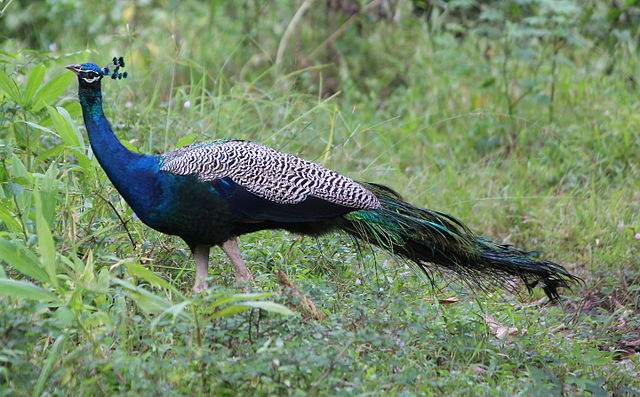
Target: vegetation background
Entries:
(520, 117)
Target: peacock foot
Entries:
(244, 281)
(200, 286)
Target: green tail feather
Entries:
(429, 238)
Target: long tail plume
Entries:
(429, 238)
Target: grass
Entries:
(427, 117)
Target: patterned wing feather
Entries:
(267, 173)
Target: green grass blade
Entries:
(45, 241)
(48, 365)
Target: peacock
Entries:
(209, 194)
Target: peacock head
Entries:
(89, 74)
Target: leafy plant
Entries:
(64, 276)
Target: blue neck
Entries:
(111, 154)
(132, 174)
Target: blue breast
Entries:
(181, 205)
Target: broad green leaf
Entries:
(33, 83)
(75, 303)
(230, 311)
(178, 309)
(64, 127)
(187, 140)
(48, 185)
(64, 316)
(18, 170)
(76, 150)
(2, 273)
(85, 162)
(48, 93)
(45, 241)
(9, 87)
(65, 115)
(87, 276)
(269, 306)
(175, 311)
(72, 266)
(24, 289)
(73, 108)
(239, 297)
(130, 147)
(141, 272)
(146, 300)
(102, 282)
(48, 365)
(22, 259)
(9, 220)
(52, 152)
(41, 128)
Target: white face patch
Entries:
(91, 79)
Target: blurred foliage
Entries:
(602, 20)
(44, 160)
(147, 24)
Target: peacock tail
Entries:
(434, 241)
(288, 192)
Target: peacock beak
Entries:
(74, 68)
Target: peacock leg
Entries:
(201, 254)
(243, 275)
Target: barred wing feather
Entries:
(278, 177)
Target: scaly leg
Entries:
(201, 254)
(243, 275)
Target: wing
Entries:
(268, 184)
